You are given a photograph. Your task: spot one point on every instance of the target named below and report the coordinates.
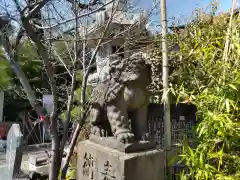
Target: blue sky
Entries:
(184, 7)
(180, 9)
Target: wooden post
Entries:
(165, 97)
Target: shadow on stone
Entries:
(113, 143)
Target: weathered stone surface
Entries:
(13, 153)
(113, 143)
(122, 97)
(98, 162)
(40, 157)
(14, 148)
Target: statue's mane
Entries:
(132, 65)
(122, 73)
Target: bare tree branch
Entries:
(37, 8)
(37, 37)
(84, 6)
(83, 100)
(61, 60)
(18, 6)
(20, 34)
(66, 45)
(69, 106)
(72, 19)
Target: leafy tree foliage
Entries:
(15, 99)
(31, 64)
(5, 76)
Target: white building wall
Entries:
(120, 5)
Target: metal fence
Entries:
(183, 117)
(183, 121)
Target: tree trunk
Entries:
(43, 52)
(55, 157)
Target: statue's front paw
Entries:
(98, 131)
(125, 137)
(145, 137)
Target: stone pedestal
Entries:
(96, 161)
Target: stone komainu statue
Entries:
(118, 106)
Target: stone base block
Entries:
(98, 162)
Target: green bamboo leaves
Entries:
(212, 83)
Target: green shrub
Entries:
(206, 71)
(209, 75)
